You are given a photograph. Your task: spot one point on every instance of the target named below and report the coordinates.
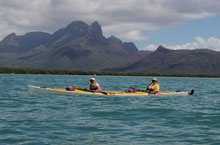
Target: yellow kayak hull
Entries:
(59, 91)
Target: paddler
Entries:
(94, 86)
(153, 87)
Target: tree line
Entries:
(12, 70)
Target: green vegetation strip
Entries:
(10, 70)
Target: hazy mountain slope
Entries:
(178, 61)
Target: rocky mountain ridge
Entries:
(77, 46)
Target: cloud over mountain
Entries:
(123, 18)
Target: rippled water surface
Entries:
(52, 119)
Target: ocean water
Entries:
(41, 119)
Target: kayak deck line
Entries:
(60, 91)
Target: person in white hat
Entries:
(153, 87)
(94, 86)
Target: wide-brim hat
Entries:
(154, 79)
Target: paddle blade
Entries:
(192, 92)
(105, 93)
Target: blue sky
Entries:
(175, 24)
(186, 32)
(183, 33)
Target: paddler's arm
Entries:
(156, 90)
(98, 88)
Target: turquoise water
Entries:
(52, 119)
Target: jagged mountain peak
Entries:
(10, 43)
(95, 24)
(96, 27)
(130, 46)
(162, 49)
(115, 40)
(77, 30)
(10, 36)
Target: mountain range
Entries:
(163, 60)
(83, 46)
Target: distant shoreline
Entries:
(13, 70)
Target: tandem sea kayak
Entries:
(60, 91)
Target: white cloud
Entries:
(123, 18)
(133, 35)
(150, 47)
(210, 43)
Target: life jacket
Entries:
(151, 87)
(93, 86)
